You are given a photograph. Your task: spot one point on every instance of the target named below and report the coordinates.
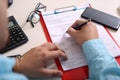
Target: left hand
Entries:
(33, 63)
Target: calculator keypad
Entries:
(16, 38)
(16, 35)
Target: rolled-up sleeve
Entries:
(102, 66)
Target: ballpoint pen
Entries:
(78, 27)
(18, 55)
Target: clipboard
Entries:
(78, 73)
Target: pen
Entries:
(78, 27)
(14, 55)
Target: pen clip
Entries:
(65, 9)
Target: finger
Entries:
(50, 46)
(52, 73)
(71, 31)
(56, 54)
(58, 47)
(78, 22)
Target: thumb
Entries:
(52, 72)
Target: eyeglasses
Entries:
(34, 17)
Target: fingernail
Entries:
(65, 58)
(59, 74)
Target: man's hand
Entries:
(33, 63)
(87, 32)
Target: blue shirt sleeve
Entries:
(6, 66)
(102, 66)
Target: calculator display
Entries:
(10, 24)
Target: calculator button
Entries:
(19, 33)
(23, 38)
(9, 44)
(18, 39)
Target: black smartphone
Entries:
(101, 18)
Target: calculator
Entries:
(17, 36)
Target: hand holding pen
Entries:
(79, 26)
(85, 31)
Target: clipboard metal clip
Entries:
(65, 9)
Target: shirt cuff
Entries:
(94, 48)
(6, 64)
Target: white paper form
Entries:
(57, 25)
